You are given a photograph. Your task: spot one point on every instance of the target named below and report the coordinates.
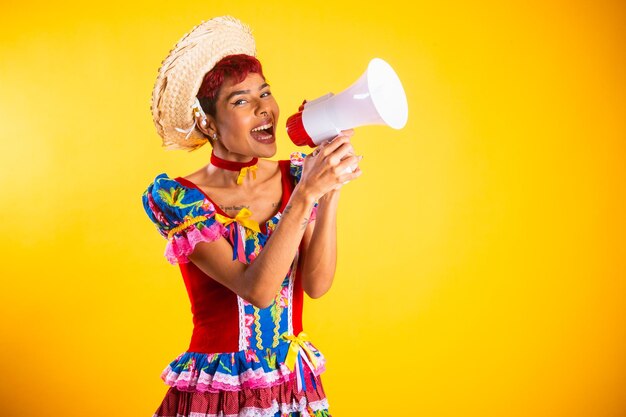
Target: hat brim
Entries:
(182, 72)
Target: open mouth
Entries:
(263, 133)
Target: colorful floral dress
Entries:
(242, 360)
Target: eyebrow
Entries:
(242, 92)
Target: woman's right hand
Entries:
(330, 166)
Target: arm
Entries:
(319, 249)
(259, 281)
(319, 244)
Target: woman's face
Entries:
(245, 117)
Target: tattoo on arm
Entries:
(305, 222)
(287, 209)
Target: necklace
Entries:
(242, 167)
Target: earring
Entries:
(214, 136)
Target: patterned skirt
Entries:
(283, 400)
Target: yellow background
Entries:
(482, 253)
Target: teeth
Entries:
(267, 126)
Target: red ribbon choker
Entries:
(231, 165)
(242, 167)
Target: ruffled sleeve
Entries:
(296, 160)
(184, 216)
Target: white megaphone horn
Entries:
(376, 98)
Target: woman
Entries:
(250, 235)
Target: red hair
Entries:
(234, 67)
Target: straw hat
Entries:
(182, 72)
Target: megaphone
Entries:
(376, 98)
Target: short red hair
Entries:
(235, 67)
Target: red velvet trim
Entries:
(286, 181)
(296, 313)
(231, 165)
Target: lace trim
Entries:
(243, 345)
(179, 247)
(300, 407)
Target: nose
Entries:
(263, 110)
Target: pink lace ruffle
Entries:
(179, 248)
(214, 372)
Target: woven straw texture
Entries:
(182, 72)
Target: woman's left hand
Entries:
(347, 153)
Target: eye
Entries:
(266, 94)
(240, 102)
